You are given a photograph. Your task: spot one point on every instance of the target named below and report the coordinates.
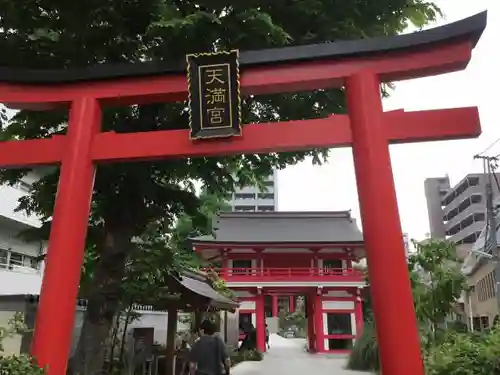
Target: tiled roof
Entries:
(284, 227)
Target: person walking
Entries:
(267, 338)
(209, 355)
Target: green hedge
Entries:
(456, 353)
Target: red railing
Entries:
(285, 272)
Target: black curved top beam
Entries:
(469, 28)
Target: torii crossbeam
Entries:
(360, 66)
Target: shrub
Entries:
(19, 365)
(246, 355)
(364, 355)
(465, 354)
(16, 364)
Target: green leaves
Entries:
(15, 326)
(436, 280)
(437, 283)
(465, 354)
(52, 34)
(16, 364)
(19, 365)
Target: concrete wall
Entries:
(148, 319)
(433, 193)
(11, 345)
(273, 324)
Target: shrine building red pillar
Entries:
(56, 310)
(311, 337)
(318, 323)
(358, 313)
(391, 291)
(224, 264)
(260, 321)
(292, 304)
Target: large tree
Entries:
(129, 197)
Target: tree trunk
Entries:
(114, 336)
(103, 304)
(121, 360)
(170, 345)
(198, 318)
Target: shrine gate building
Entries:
(267, 256)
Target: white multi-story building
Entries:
(251, 198)
(20, 267)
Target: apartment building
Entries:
(461, 215)
(20, 267)
(251, 198)
(481, 303)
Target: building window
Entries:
(480, 323)
(241, 266)
(486, 287)
(16, 260)
(244, 196)
(479, 216)
(24, 186)
(485, 323)
(266, 196)
(473, 181)
(265, 208)
(12, 260)
(339, 323)
(245, 322)
(244, 208)
(476, 199)
(4, 258)
(335, 264)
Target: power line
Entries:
(488, 148)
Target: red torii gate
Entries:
(359, 65)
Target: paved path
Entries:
(288, 357)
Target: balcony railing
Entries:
(304, 273)
(20, 269)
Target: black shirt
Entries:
(209, 353)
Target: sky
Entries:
(332, 186)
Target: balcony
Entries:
(270, 274)
(19, 280)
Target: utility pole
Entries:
(489, 163)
